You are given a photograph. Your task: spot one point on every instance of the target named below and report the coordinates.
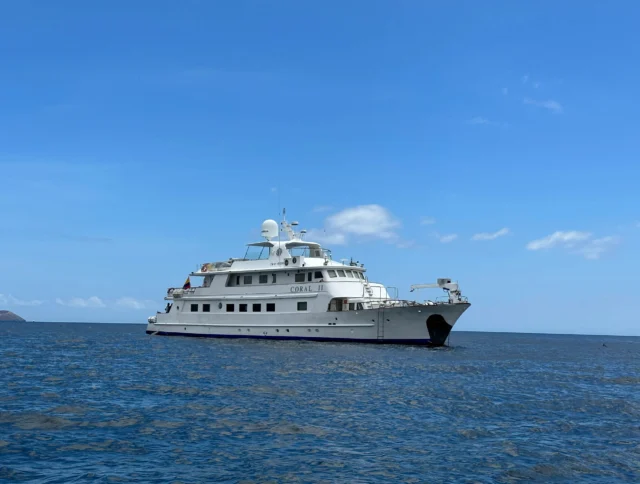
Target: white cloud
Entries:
(564, 239)
(525, 78)
(427, 221)
(553, 106)
(594, 249)
(505, 91)
(580, 243)
(445, 239)
(78, 302)
(491, 236)
(364, 220)
(131, 303)
(324, 238)
(14, 301)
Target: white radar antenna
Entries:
(270, 229)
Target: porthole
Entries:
(309, 329)
(220, 305)
(317, 330)
(287, 331)
(277, 330)
(239, 330)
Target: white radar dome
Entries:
(269, 229)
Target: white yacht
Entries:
(292, 289)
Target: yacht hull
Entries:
(416, 325)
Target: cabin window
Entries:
(318, 275)
(206, 308)
(332, 273)
(273, 278)
(309, 276)
(242, 308)
(341, 273)
(350, 274)
(361, 275)
(302, 305)
(248, 279)
(359, 306)
(264, 278)
(194, 308)
(237, 280)
(257, 308)
(230, 308)
(271, 307)
(300, 277)
(352, 306)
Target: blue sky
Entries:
(138, 140)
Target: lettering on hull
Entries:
(307, 288)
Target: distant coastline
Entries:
(9, 316)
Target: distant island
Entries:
(9, 316)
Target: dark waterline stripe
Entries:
(420, 342)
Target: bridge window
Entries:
(332, 273)
(206, 308)
(349, 273)
(263, 279)
(309, 276)
(242, 308)
(248, 279)
(230, 308)
(271, 307)
(341, 273)
(302, 305)
(257, 308)
(300, 277)
(318, 275)
(194, 308)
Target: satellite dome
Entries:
(269, 229)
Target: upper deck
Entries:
(275, 255)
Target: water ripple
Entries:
(106, 403)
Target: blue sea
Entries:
(108, 403)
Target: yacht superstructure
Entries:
(293, 289)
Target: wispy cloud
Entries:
(525, 78)
(132, 303)
(427, 221)
(9, 300)
(445, 239)
(406, 244)
(491, 235)
(594, 249)
(553, 106)
(579, 242)
(536, 85)
(479, 120)
(564, 239)
(78, 302)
